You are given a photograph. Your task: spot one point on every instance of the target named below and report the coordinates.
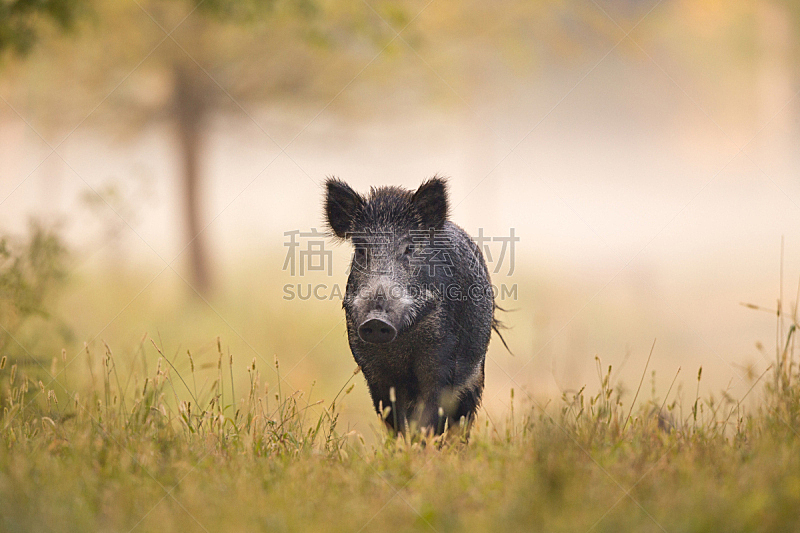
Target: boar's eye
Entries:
(361, 251)
(408, 250)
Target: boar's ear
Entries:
(341, 203)
(430, 200)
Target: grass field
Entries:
(174, 457)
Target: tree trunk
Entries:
(190, 111)
(775, 82)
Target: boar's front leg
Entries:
(433, 376)
(391, 400)
(431, 420)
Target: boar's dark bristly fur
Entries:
(419, 304)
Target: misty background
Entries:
(645, 154)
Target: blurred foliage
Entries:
(21, 20)
(250, 10)
(302, 51)
(31, 270)
(128, 55)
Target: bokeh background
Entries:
(644, 152)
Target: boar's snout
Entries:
(376, 331)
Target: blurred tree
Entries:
(297, 37)
(776, 25)
(202, 59)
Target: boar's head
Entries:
(397, 235)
